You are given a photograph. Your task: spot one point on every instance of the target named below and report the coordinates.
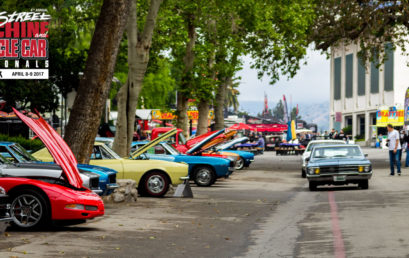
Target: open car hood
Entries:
(152, 143)
(206, 140)
(231, 143)
(58, 148)
(220, 139)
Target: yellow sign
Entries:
(390, 116)
(192, 114)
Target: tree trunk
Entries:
(203, 122)
(138, 58)
(93, 89)
(203, 105)
(220, 101)
(182, 121)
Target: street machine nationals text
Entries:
(24, 45)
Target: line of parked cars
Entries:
(334, 162)
(48, 185)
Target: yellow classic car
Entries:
(152, 177)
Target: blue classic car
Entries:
(339, 164)
(107, 176)
(203, 170)
(245, 157)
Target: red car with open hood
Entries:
(41, 193)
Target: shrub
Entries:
(360, 137)
(28, 144)
(347, 130)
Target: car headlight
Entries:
(314, 171)
(367, 168)
(2, 191)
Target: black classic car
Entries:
(340, 164)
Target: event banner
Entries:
(192, 114)
(24, 44)
(386, 116)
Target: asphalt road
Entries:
(264, 211)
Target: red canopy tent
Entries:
(240, 126)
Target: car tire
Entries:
(29, 209)
(364, 184)
(303, 174)
(204, 176)
(312, 186)
(154, 184)
(240, 164)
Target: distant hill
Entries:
(310, 112)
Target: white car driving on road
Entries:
(309, 148)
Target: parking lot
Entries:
(264, 211)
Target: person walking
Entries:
(394, 149)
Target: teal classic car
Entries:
(339, 164)
(203, 170)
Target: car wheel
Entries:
(303, 174)
(204, 176)
(364, 184)
(154, 184)
(240, 164)
(28, 209)
(312, 186)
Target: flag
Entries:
(293, 132)
(289, 133)
(285, 118)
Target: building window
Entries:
(361, 77)
(374, 77)
(337, 78)
(349, 65)
(388, 67)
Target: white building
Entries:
(357, 93)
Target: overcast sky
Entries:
(311, 84)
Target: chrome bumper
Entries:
(184, 178)
(97, 191)
(231, 169)
(349, 177)
(112, 186)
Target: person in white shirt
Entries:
(394, 149)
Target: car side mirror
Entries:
(307, 159)
(366, 155)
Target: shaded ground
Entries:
(264, 211)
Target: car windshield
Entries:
(182, 139)
(312, 145)
(3, 160)
(337, 152)
(171, 149)
(22, 154)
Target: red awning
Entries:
(240, 126)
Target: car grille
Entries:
(334, 169)
(94, 182)
(112, 178)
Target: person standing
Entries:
(341, 135)
(394, 149)
(331, 134)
